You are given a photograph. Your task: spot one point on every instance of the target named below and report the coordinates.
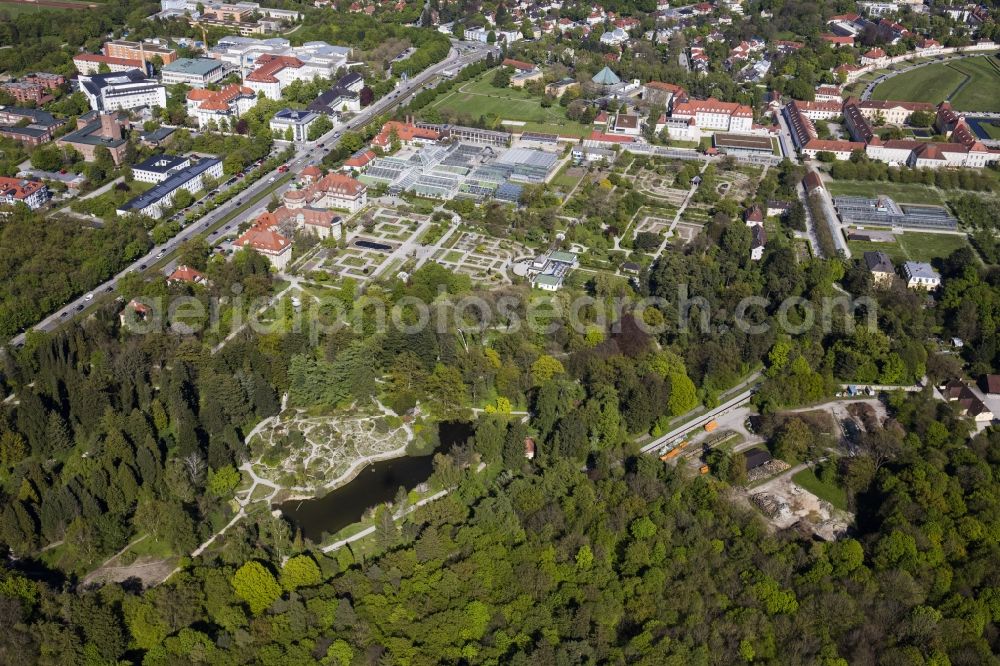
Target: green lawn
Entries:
(913, 246)
(835, 495)
(15, 8)
(479, 98)
(971, 84)
(900, 192)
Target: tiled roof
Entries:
(270, 65)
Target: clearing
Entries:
(478, 97)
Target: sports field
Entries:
(971, 84)
(479, 98)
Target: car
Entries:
(271, 179)
(160, 254)
(322, 145)
(89, 297)
(108, 289)
(240, 174)
(336, 135)
(142, 267)
(63, 314)
(79, 307)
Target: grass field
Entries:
(900, 192)
(970, 83)
(913, 246)
(825, 491)
(18, 8)
(479, 98)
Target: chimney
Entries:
(110, 127)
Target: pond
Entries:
(375, 484)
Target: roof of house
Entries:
(263, 239)
(160, 163)
(406, 132)
(711, 105)
(186, 274)
(756, 457)
(195, 66)
(269, 65)
(108, 60)
(879, 262)
(919, 269)
(812, 181)
(19, 188)
(218, 100)
(518, 64)
(758, 236)
(360, 159)
(992, 384)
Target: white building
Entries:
(122, 90)
(921, 275)
(195, 72)
(32, 193)
(298, 122)
(155, 201)
(159, 167)
(711, 114)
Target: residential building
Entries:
(32, 193)
(991, 384)
(316, 221)
(143, 51)
(158, 168)
(122, 90)
(30, 127)
(25, 92)
(334, 190)
(154, 202)
(296, 122)
(91, 63)
(819, 110)
(880, 266)
(195, 72)
(359, 160)
(335, 101)
(969, 404)
(711, 114)
(186, 275)
(228, 103)
(95, 130)
(875, 57)
(921, 275)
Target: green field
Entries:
(913, 246)
(16, 8)
(972, 84)
(479, 98)
(900, 192)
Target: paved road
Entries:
(461, 55)
(731, 404)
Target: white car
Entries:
(89, 297)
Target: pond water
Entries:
(375, 484)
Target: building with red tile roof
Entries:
(186, 274)
(334, 190)
(519, 65)
(268, 242)
(230, 102)
(32, 193)
(406, 132)
(712, 114)
(838, 41)
(274, 72)
(359, 160)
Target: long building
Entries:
(143, 51)
(195, 72)
(155, 201)
(711, 114)
(30, 127)
(91, 63)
